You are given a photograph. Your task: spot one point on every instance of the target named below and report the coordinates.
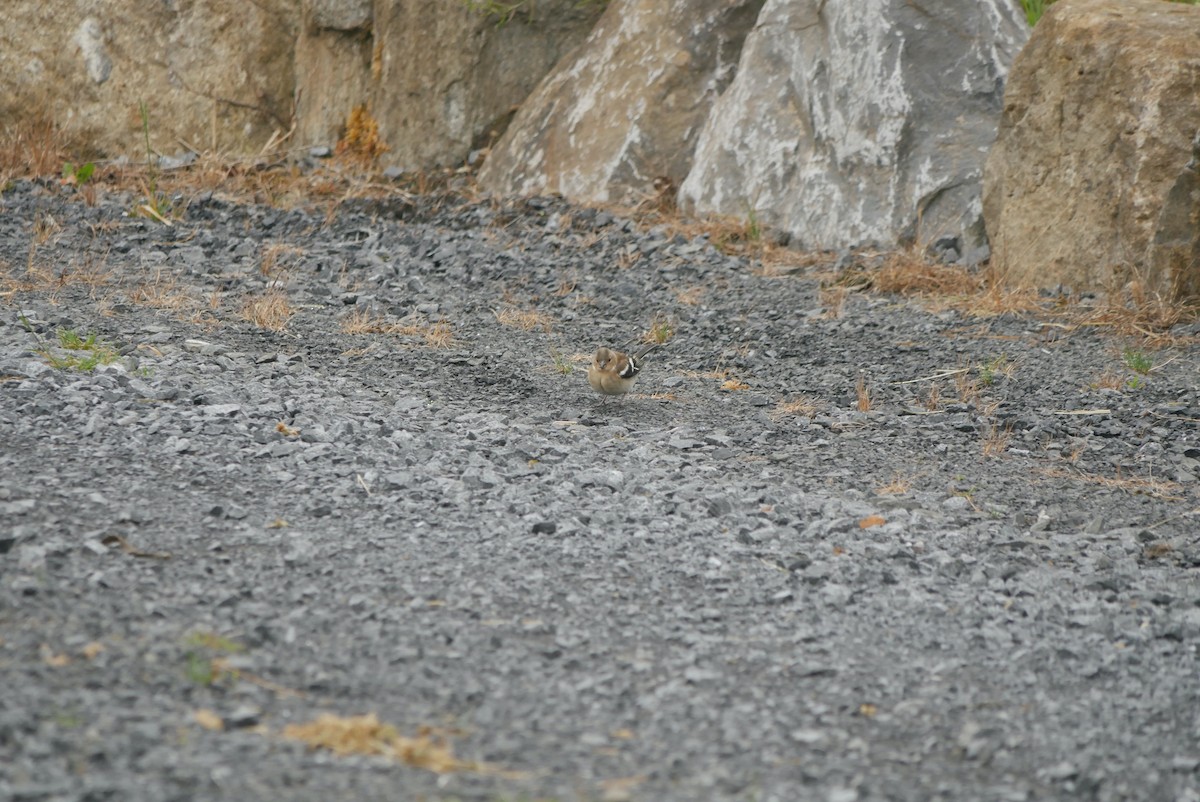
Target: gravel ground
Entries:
(693, 594)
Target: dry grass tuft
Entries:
(45, 228)
(804, 406)
(966, 386)
(524, 319)
(933, 401)
(1109, 380)
(1133, 311)
(909, 272)
(833, 301)
(996, 441)
(361, 142)
(270, 311)
(862, 395)
(1155, 488)
(662, 330)
(691, 296)
(161, 292)
(897, 486)
(361, 321)
(996, 299)
(367, 735)
(660, 202)
(34, 147)
(278, 257)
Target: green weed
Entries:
(213, 643)
(199, 669)
(991, 370)
(1034, 9)
(155, 204)
(562, 364)
(201, 663)
(1137, 361)
(78, 175)
(84, 353)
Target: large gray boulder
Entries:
(861, 122)
(626, 107)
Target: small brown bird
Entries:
(613, 372)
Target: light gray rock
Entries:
(852, 123)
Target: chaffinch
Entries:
(613, 372)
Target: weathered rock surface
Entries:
(215, 75)
(626, 108)
(1090, 183)
(227, 76)
(437, 76)
(853, 123)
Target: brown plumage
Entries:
(613, 372)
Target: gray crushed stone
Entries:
(686, 595)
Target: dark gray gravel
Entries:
(671, 598)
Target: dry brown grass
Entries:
(909, 272)
(361, 142)
(862, 395)
(1109, 380)
(361, 321)
(45, 228)
(691, 296)
(524, 319)
(34, 147)
(367, 735)
(45, 277)
(833, 301)
(1134, 311)
(161, 292)
(898, 485)
(1155, 488)
(270, 311)
(966, 387)
(803, 406)
(278, 257)
(996, 440)
(933, 399)
(718, 373)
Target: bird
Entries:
(613, 372)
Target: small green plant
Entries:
(78, 175)
(991, 370)
(68, 719)
(201, 664)
(199, 669)
(661, 331)
(213, 642)
(1135, 383)
(1137, 361)
(84, 353)
(753, 227)
(1034, 9)
(155, 204)
(562, 365)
